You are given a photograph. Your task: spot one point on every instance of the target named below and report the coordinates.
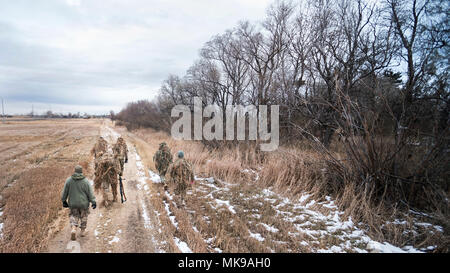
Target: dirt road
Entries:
(128, 227)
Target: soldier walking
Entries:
(79, 192)
(162, 158)
(120, 153)
(100, 147)
(181, 176)
(107, 169)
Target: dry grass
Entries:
(200, 222)
(290, 171)
(31, 206)
(33, 175)
(158, 200)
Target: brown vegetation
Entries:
(290, 171)
(375, 138)
(33, 176)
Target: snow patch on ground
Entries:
(207, 179)
(269, 228)
(110, 133)
(428, 225)
(184, 248)
(257, 236)
(303, 198)
(385, 247)
(115, 239)
(317, 225)
(168, 195)
(169, 214)
(154, 176)
(147, 222)
(227, 204)
(142, 177)
(319, 220)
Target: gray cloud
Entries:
(98, 55)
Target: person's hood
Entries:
(77, 176)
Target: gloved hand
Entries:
(65, 204)
(94, 205)
(126, 160)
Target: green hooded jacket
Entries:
(79, 192)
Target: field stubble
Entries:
(37, 157)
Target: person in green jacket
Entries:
(79, 192)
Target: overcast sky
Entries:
(96, 55)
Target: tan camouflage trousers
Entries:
(105, 186)
(180, 190)
(162, 169)
(121, 163)
(78, 217)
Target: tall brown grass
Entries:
(32, 205)
(291, 171)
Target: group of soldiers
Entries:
(109, 169)
(77, 193)
(109, 166)
(180, 173)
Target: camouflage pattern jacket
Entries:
(100, 147)
(163, 158)
(120, 154)
(106, 170)
(181, 172)
(120, 149)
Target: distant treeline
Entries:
(50, 114)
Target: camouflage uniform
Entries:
(162, 158)
(120, 153)
(106, 171)
(100, 147)
(78, 216)
(181, 176)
